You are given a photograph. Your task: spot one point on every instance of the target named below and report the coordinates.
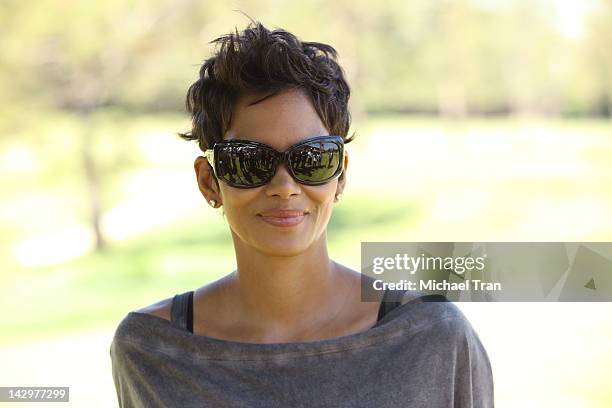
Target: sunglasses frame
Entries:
(282, 157)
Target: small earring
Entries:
(212, 203)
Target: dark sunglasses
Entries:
(247, 164)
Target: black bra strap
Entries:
(390, 300)
(393, 298)
(181, 314)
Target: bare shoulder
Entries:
(161, 309)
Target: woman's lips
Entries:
(285, 221)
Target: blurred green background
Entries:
(492, 120)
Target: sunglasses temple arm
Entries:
(210, 156)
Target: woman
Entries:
(287, 328)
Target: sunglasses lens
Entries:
(316, 162)
(245, 166)
(248, 164)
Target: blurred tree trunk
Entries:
(81, 78)
(92, 177)
(452, 100)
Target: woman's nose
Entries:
(282, 184)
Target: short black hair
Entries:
(261, 60)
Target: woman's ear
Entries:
(207, 182)
(342, 178)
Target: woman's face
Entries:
(279, 120)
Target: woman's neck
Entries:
(288, 294)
